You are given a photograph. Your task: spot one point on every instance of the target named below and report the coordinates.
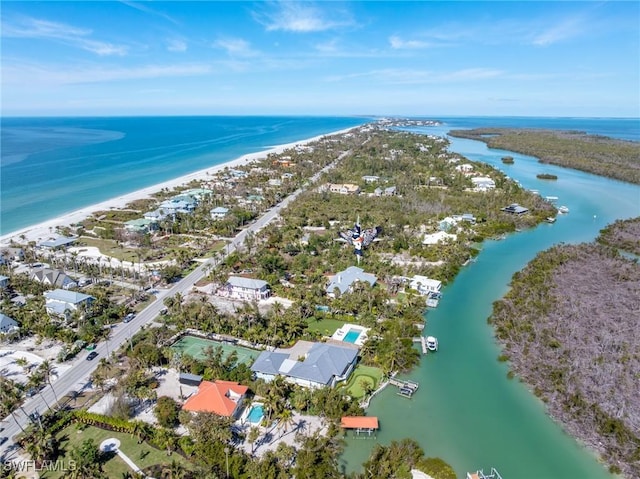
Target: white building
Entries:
(424, 285)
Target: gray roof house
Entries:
(247, 288)
(345, 279)
(515, 209)
(219, 212)
(60, 302)
(53, 243)
(7, 324)
(324, 365)
(53, 277)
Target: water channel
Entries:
(466, 410)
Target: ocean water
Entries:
(52, 166)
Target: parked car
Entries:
(3, 439)
(128, 317)
(91, 355)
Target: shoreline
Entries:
(42, 231)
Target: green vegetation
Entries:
(546, 176)
(591, 153)
(508, 160)
(623, 235)
(572, 341)
(363, 381)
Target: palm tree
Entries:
(175, 470)
(285, 419)
(252, 437)
(47, 369)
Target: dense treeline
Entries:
(623, 234)
(603, 156)
(569, 329)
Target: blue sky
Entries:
(558, 58)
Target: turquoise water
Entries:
(256, 413)
(352, 336)
(52, 166)
(466, 410)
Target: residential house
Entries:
(483, 183)
(324, 365)
(344, 280)
(247, 288)
(344, 188)
(274, 182)
(390, 191)
(9, 254)
(219, 213)
(224, 398)
(238, 173)
(370, 179)
(515, 209)
(198, 193)
(62, 303)
(53, 277)
(156, 216)
(140, 226)
(4, 281)
(447, 224)
(7, 324)
(173, 206)
(287, 176)
(55, 243)
(438, 237)
(464, 168)
(424, 285)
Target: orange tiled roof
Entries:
(219, 397)
(359, 422)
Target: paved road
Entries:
(77, 377)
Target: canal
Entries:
(467, 411)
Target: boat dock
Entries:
(407, 388)
(423, 343)
(494, 474)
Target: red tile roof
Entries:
(359, 422)
(219, 397)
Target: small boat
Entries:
(550, 219)
(551, 199)
(432, 343)
(563, 210)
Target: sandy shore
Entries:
(43, 231)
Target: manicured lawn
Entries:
(363, 375)
(143, 455)
(325, 326)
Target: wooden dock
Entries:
(407, 388)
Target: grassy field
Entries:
(325, 326)
(143, 455)
(361, 376)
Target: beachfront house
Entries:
(323, 365)
(61, 242)
(64, 304)
(139, 226)
(424, 285)
(248, 289)
(515, 209)
(224, 398)
(53, 277)
(219, 213)
(438, 237)
(174, 206)
(343, 281)
(7, 324)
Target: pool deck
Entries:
(341, 332)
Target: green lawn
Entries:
(143, 455)
(325, 326)
(363, 375)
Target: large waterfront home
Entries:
(55, 243)
(247, 288)
(223, 398)
(64, 304)
(424, 285)
(515, 209)
(344, 280)
(323, 365)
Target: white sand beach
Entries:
(44, 230)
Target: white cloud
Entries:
(302, 17)
(408, 76)
(63, 33)
(32, 74)
(564, 30)
(397, 43)
(236, 47)
(176, 45)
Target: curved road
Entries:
(77, 378)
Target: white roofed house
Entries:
(424, 285)
(370, 179)
(483, 183)
(344, 280)
(247, 288)
(218, 213)
(65, 304)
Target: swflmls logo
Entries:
(41, 466)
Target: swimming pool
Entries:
(352, 336)
(256, 413)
